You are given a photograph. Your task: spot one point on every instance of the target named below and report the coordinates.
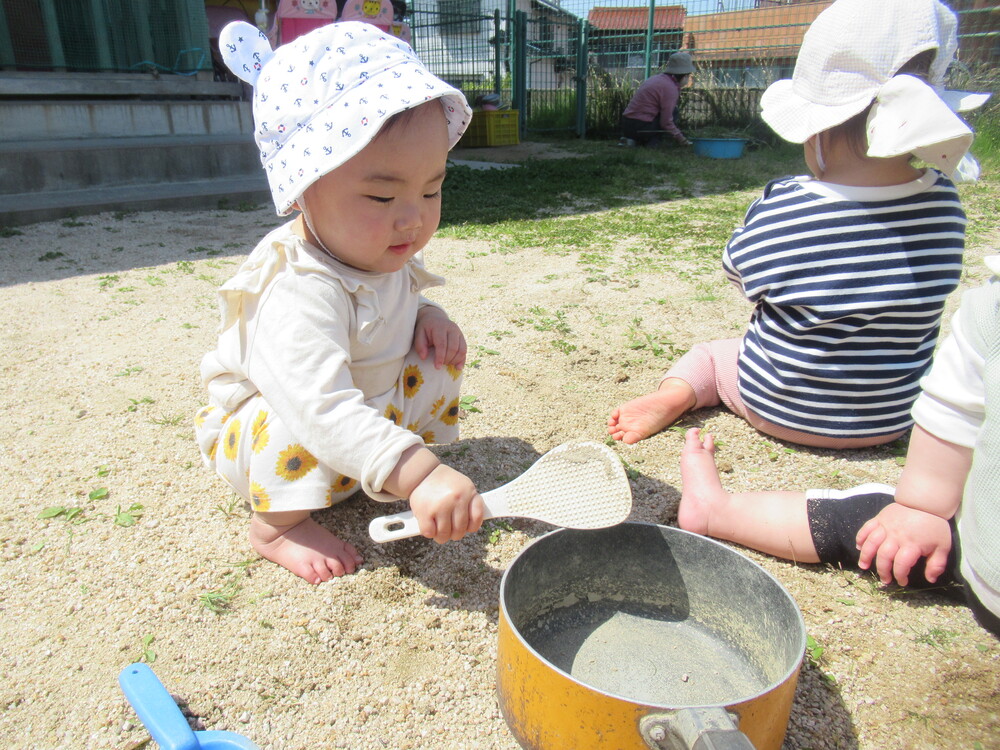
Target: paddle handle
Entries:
(404, 525)
(156, 709)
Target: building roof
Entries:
(766, 32)
(637, 18)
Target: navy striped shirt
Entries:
(848, 286)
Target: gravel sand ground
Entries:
(117, 545)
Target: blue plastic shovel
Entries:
(164, 720)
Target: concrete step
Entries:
(71, 164)
(75, 144)
(49, 119)
(52, 84)
(222, 192)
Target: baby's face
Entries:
(377, 210)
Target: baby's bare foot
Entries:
(702, 494)
(306, 548)
(641, 417)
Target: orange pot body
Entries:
(547, 709)
(557, 600)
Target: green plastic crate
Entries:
(492, 128)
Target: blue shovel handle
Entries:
(156, 709)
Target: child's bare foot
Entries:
(302, 546)
(641, 417)
(702, 494)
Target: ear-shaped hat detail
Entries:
(909, 117)
(325, 96)
(244, 49)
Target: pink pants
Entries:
(710, 368)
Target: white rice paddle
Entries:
(579, 485)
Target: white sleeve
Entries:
(953, 402)
(299, 360)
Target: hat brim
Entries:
(993, 263)
(681, 70)
(796, 118)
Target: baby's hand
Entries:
(447, 505)
(435, 330)
(898, 537)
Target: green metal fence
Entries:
(464, 45)
(565, 65)
(573, 65)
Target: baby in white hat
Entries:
(332, 371)
(847, 268)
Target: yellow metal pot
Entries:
(645, 636)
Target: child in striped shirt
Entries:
(939, 524)
(848, 269)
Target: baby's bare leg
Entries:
(772, 522)
(641, 417)
(296, 542)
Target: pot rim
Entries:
(790, 673)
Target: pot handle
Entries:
(693, 729)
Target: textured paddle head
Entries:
(578, 485)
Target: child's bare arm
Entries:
(444, 501)
(414, 465)
(916, 525)
(447, 505)
(934, 476)
(436, 330)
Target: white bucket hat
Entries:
(323, 97)
(849, 58)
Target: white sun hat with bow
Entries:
(849, 59)
(323, 97)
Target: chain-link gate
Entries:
(463, 45)
(549, 65)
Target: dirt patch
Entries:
(515, 153)
(145, 552)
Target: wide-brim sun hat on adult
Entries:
(320, 99)
(679, 64)
(849, 59)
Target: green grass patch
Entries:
(624, 211)
(646, 209)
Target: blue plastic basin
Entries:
(719, 148)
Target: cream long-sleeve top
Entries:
(962, 385)
(317, 338)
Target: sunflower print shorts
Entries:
(257, 455)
